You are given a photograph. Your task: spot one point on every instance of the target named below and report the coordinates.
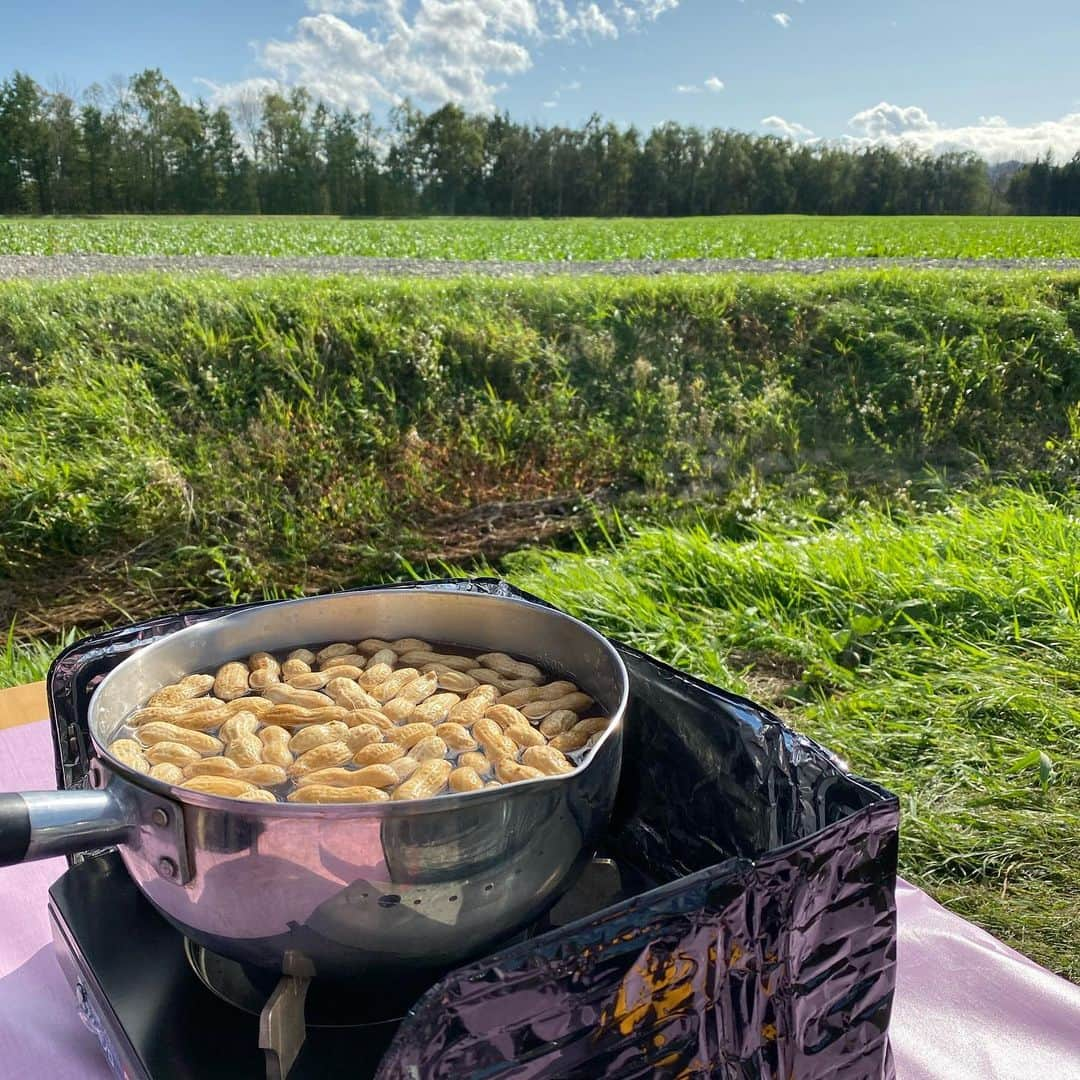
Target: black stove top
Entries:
(164, 1009)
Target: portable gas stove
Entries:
(163, 1007)
(739, 920)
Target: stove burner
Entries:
(328, 1004)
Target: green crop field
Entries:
(776, 237)
(852, 496)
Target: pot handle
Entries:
(40, 824)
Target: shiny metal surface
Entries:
(63, 822)
(362, 890)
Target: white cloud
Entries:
(370, 53)
(782, 19)
(992, 137)
(787, 128)
(712, 84)
(549, 104)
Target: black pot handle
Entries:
(14, 828)
(40, 824)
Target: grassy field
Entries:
(852, 496)
(770, 237)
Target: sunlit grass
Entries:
(938, 652)
(577, 239)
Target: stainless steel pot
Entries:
(341, 890)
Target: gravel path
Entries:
(238, 266)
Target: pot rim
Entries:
(447, 802)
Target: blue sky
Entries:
(994, 76)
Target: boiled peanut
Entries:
(283, 694)
(309, 680)
(493, 783)
(308, 738)
(293, 667)
(193, 714)
(297, 716)
(553, 690)
(475, 761)
(456, 682)
(511, 772)
(506, 716)
(491, 737)
(375, 676)
(367, 716)
(525, 735)
(321, 793)
(398, 710)
(343, 671)
(382, 753)
(159, 731)
(408, 644)
(262, 775)
(537, 710)
(262, 678)
(340, 648)
(404, 767)
(350, 662)
(391, 687)
(464, 779)
(431, 747)
(218, 785)
(275, 744)
(304, 655)
(501, 683)
(210, 720)
(436, 708)
(362, 735)
(263, 661)
(508, 666)
(421, 656)
(243, 723)
(245, 750)
(256, 795)
(130, 753)
(231, 680)
(547, 759)
(373, 645)
(409, 734)
(579, 734)
(378, 776)
(348, 695)
(171, 753)
(470, 710)
(455, 736)
(211, 766)
(429, 779)
(191, 686)
(256, 704)
(557, 722)
(322, 757)
(167, 773)
(384, 657)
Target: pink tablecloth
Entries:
(967, 1007)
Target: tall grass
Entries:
(938, 652)
(165, 441)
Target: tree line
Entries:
(136, 146)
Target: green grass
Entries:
(753, 237)
(179, 441)
(937, 651)
(853, 496)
